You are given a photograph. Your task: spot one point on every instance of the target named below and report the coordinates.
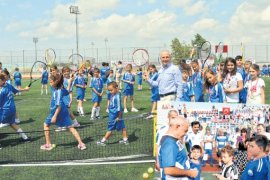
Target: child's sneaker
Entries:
(92, 119)
(97, 117)
(28, 139)
(63, 128)
(150, 116)
(123, 142)
(76, 124)
(58, 129)
(100, 143)
(125, 111)
(134, 110)
(81, 147)
(47, 147)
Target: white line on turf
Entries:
(77, 163)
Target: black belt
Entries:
(167, 94)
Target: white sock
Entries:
(97, 111)
(41, 91)
(125, 139)
(93, 112)
(46, 91)
(81, 110)
(21, 133)
(103, 140)
(78, 109)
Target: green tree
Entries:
(176, 50)
(198, 41)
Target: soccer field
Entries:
(33, 109)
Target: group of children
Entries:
(234, 162)
(232, 81)
(61, 86)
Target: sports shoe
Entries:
(125, 111)
(97, 117)
(3, 125)
(58, 129)
(82, 115)
(81, 147)
(63, 128)
(134, 110)
(47, 147)
(123, 142)
(76, 124)
(28, 139)
(150, 116)
(100, 143)
(92, 119)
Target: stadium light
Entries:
(35, 40)
(75, 10)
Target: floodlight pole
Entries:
(92, 44)
(75, 10)
(35, 40)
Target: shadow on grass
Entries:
(27, 121)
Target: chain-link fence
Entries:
(25, 58)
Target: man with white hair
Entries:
(174, 162)
(169, 79)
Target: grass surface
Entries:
(33, 109)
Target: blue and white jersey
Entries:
(79, 80)
(188, 91)
(221, 141)
(172, 154)
(139, 74)
(216, 93)
(197, 83)
(57, 98)
(198, 167)
(45, 75)
(154, 89)
(66, 99)
(97, 84)
(128, 77)
(103, 72)
(17, 76)
(7, 104)
(256, 169)
(115, 106)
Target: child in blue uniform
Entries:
(44, 80)
(17, 79)
(188, 91)
(258, 168)
(7, 106)
(68, 99)
(79, 83)
(129, 80)
(213, 88)
(115, 120)
(195, 161)
(59, 114)
(97, 91)
(197, 81)
(103, 71)
(139, 74)
(110, 78)
(154, 90)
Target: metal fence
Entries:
(25, 58)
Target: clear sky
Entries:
(130, 23)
